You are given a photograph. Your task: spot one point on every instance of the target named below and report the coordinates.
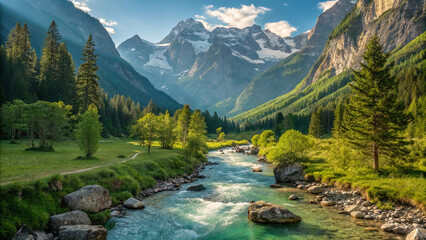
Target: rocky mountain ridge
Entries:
(186, 62)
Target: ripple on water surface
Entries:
(220, 211)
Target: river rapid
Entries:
(220, 211)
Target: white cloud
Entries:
(81, 5)
(209, 26)
(110, 30)
(326, 5)
(108, 23)
(235, 17)
(200, 16)
(285, 4)
(281, 28)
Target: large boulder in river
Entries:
(75, 217)
(290, 173)
(264, 212)
(133, 203)
(417, 234)
(82, 232)
(25, 233)
(315, 189)
(91, 198)
(196, 188)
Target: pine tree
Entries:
(49, 67)
(315, 124)
(66, 75)
(88, 91)
(19, 65)
(374, 118)
(338, 128)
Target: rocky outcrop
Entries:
(82, 232)
(133, 203)
(290, 173)
(264, 212)
(417, 234)
(395, 22)
(91, 198)
(196, 188)
(25, 233)
(70, 218)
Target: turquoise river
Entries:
(220, 211)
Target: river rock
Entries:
(315, 190)
(86, 232)
(264, 212)
(91, 198)
(293, 197)
(326, 203)
(196, 188)
(25, 233)
(417, 234)
(290, 173)
(357, 214)
(388, 227)
(133, 203)
(44, 236)
(76, 217)
(256, 170)
(400, 230)
(276, 186)
(351, 208)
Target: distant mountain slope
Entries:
(395, 22)
(283, 77)
(116, 75)
(203, 68)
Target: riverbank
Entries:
(368, 203)
(33, 202)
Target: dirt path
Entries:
(94, 167)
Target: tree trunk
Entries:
(149, 148)
(375, 154)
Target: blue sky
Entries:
(153, 19)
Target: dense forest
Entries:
(53, 78)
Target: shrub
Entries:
(266, 138)
(255, 140)
(292, 146)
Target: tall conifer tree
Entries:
(315, 124)
(49, 66)
(374, 118)
(88, 91)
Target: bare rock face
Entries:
(395, 22)
(264, 212)
(133, 203)
(82, 232)
(91, 198)
(70, 218)
(417, 234)
(289, 173)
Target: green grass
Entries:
(31, 202)
(227, 143)
(385, 187)
(20, 165)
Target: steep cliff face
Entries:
(395, 22)
(283, 77)
(116, 76)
